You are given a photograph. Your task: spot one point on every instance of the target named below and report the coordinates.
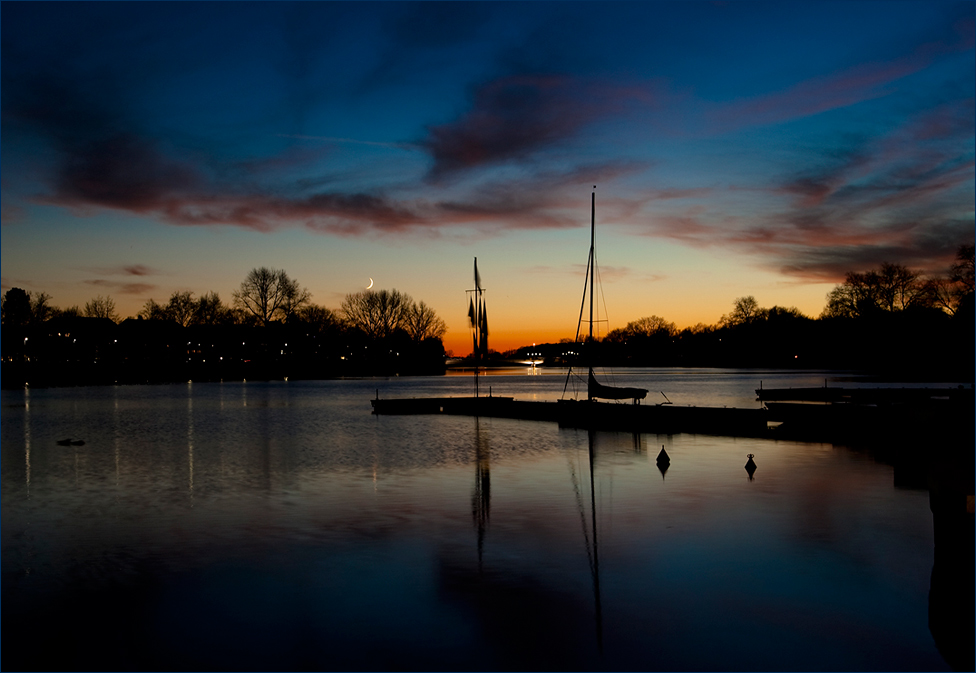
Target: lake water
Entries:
(279, 526)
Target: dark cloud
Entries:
(127, 270)
(123, 171)
(121, 288)
(514, 117)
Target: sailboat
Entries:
(594, 389)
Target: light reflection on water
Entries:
(281, 525)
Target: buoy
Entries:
(663, 461)
(750, 465)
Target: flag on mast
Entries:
(483, 330)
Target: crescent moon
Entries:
(370, 284)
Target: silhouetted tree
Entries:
(639, 331)
(15, 308)
(378, 313)
(41, 309)
(780, 313)
(25, 308)
(70, 312)
(181, 307)
(891, 287)
(322, 317)
(745, 310)
(651, 326)
(153, 311)
(101, 308)
(269, 294)
(210, 310)
(422, 322)
(942, 293)
(964, 269)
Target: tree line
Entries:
(888, 320)
(271, 329)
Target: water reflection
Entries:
(481, 498)
(308, 533)
(189, 438)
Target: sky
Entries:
(736, 148)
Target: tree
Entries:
(70, 312)
(964, 269)
(209, 310)
(269, 294)
(321, 317)
(378, 313)
(181, 307)
(153, 311)
(22, 308)
(422, 322)
(745, 310)
(651, 326)
(781, 313)
(41, 309)
(101, 308)
(15, 308)
(891, 287)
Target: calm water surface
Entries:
(279, 526)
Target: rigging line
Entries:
(607, 370)
(579, 323)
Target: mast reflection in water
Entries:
(297, 531)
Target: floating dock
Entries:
(814, 414)
(660, 419)
(871, 413)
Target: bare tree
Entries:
(422, 322)
(891, 287)
(650, 326)
(181, 307)
(942, 293)
(70, 312)
(964, 269)
(378, 313)
(269, 294)
(209, 310)
(319, 316)
(101, 308)
(745, 310)
(153, 311)
(41, 309)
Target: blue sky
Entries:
(738, 148)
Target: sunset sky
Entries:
(738, 148)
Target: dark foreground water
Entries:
(279, 526)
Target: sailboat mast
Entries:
(477, 326)
(591, 265)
